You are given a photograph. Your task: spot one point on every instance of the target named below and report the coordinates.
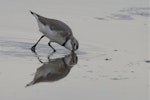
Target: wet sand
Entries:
(112, 62)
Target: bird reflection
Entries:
(54, 69)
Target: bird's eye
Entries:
(74, 44)
(77, 46)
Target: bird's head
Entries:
(72, 44)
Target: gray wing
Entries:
(55, 24)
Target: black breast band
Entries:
(67, 38)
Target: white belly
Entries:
(54, 36)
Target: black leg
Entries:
(49, 43)
(33, 47)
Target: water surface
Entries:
(111, 63)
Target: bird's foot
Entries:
(54, 50)
(33, 48)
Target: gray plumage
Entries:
(54, 69)
(57, 31)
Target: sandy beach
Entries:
(112, 62)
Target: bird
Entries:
(54, 69)
(56, 31)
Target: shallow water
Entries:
(111, 64)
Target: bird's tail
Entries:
(31, 83)
(34, 14)
(31, 12)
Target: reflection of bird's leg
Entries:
(39, 59)
(49, 43)
(37, 56)
(33, 47)
(48, 57)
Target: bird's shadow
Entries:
(54, 69)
